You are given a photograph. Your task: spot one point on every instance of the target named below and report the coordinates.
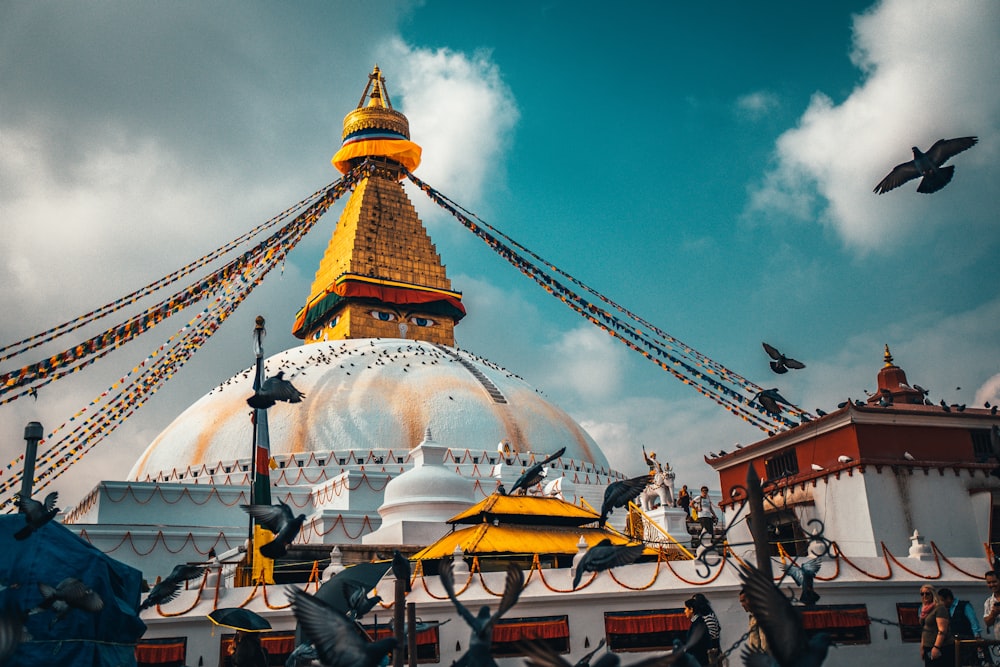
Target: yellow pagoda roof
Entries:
(525, 510)
(489, 539)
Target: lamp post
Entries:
(32, 434)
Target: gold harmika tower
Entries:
(381, 276)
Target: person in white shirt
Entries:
(706, 512)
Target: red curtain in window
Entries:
(428, 636)
(819, 619)
(909, 614)
(155, 653)
(512, 631)
(645, 623)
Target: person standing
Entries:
(963, 624)
(756, 639)
(684, 501)
(694, 609)
(706, 512)
(991, 608)
(937, 646)
(248, 651)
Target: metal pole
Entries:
(398, 620)
(33, 432)
(258, 350)
(411, 634)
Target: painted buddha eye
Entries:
(422, 321)
(383, 316)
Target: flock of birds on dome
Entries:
(335, 637)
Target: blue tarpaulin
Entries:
(81, 639)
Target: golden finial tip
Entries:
(887, 356)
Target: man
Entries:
(706, 512)
(756, 640)
(991, 608)
(962, 623)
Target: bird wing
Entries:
(511, 592)
(607, 557)
(50, 501)
(448, 582)
(184, 572)
(946, 148)
(900, 174)
(32, 509)
(794, 571)
(272, 516)
(811, 566)
(328, 630)
(553, 457)
(283, 390)
(772, 351)
(620, 493)
(525, 480)
(780, 622)
(794, 363)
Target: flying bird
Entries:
(769, 400)
(401, 568)
(335, 638)
(604, 555)
(303, 654)
(279, 520)
(804, 575)
(535, 473)
(169, 587)
(927, 165)
(621, 493)
(70, 594)
(481, 641)
(780, 363)
(273, 389)
(539, 654)
(358, 602)
(781, 624)
(36, 514)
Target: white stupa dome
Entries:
(371, 394)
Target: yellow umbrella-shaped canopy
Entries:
(487, 539)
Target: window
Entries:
(508, 632)
(783, 528)
(652, 630)
(982, 450)
(166, 652)
(781, 465)
(845, 623)
(909, 621)
(428, 642)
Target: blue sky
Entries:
(711, 169)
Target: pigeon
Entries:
(781, 624)
(604, 555)
(336, 639)
(927, 165)
(535, 473)
(401, 568)
(804, 575)
(844, 458)
(279, 520)
(36, 514)
(621, 493)
(780, 363)
(169, 587)
(358, 602)
(769, 400)
(275, 388)
(303, 654)
(908, 456)
(480, 643)
(70, 594)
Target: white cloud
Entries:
(928, 69)
(757, 104)
(988, 392)
(587, 362)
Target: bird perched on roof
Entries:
(273, 389)
(780, 363)
(535, 474)
(621, 493)
(927, 165)
(804, 575)
(335, 638)
(604, 555)
(36, 514)
(781, 623)
(401, 568)
(280, 520)
(358, 602)
(168, 588)
(481, 641)
(769, 400)
(70, 594)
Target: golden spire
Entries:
(887, 356)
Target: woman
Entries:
(937, 646)
(699, 638)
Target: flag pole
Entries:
(255, 419)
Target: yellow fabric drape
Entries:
(402, 151)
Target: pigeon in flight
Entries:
(535, 474)
(780, 363)
(304, 654)
(275, 388)
(804, 575)
(401, 568)
(169, 587)
(358, 602)
(769, 400)
(621, 493)
(927, 165)
(782, 624)
(481, 641)
(279, 520)
(539, 654)
(335, 638)
(604, 555)
(36, 514)
(70, 594)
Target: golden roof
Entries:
(488, 539)
(530, 510)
